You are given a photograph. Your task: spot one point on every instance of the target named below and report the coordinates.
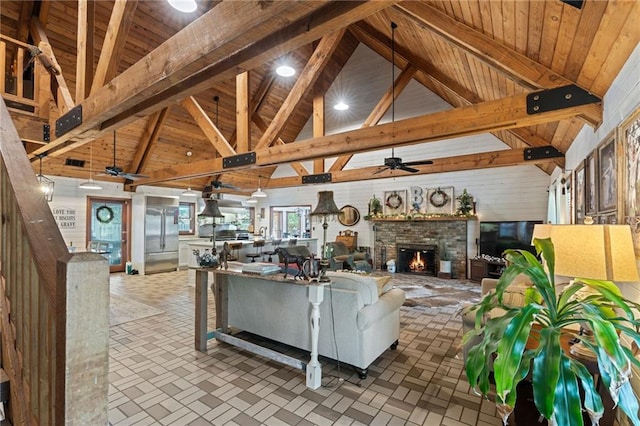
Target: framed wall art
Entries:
(395, 202)
(590, 187)
(629, 136)
(440, 200)
(607, 177)
(578, 194)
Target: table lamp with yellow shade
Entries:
(597, 252)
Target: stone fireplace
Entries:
(416, 258)
(392, 235)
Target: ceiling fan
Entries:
(216, 185)
(393, 162)
(116, 171)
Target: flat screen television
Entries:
(496, 237)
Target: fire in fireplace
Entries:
(416, 258)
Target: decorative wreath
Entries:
(394, 201)
(438, 198)
(104, 214)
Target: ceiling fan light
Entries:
(90, 184)
(189, 193)
(185, 6)
(341, 106)
(285, 71)
(251, 201)
(259, 194)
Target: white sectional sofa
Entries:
(359, 319)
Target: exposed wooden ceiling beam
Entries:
(148, 139)
(209, 129)
(299, 168)
(114, 42)
(63, 95)
(84, 43)
(469, 120)
(312, 70)
(481, 160)
(318, 117)
(243, 112)
(380, 109)
(23, 20)
(231, 36)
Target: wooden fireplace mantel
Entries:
(421, 219)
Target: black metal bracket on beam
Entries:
(559, 98)
(575, 3)
(319, 178)
(239, 160)
(541, 153)
(46, 133)
(71, 120)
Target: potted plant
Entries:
(444, 256)
(556, 376)
(465, 203)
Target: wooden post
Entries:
(86, 347)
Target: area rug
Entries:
(123, 309)
(428, 291)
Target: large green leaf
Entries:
(628, 402)
(510, 350)
(546, 370)
(567, 410)
(607, 339)
(592, 402)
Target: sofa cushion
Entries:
(388, 302)
(365, 285)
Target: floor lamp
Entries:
(211, 210)
(325, 209)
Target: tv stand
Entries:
(482, 268)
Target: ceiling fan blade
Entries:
(408, 169)
(228, 186)
(418, 163)
(382, 169)
(132, 176)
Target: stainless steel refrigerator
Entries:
(161, 235)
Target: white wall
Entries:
(622, 98)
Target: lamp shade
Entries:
(211, 209)
(601, 252)
(326, 206)
(90, 184)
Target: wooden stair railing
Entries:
(27, 92)
(54, 305)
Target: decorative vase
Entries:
(445, 266)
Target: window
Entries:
(186, 218)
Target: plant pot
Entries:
(445, 266)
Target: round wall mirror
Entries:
(349, 215)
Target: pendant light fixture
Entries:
(90, 184)
(259, 193)
(184, 6)
(189, 192)
(46, 184)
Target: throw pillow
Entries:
(383, 284)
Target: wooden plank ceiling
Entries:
(165, 83)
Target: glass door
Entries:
(108, 230)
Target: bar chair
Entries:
(235, 251)
(258, 245)
(272, 252)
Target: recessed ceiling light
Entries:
(341, 106)
(285, 71)
(186, 6)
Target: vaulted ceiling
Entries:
(165, 83)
